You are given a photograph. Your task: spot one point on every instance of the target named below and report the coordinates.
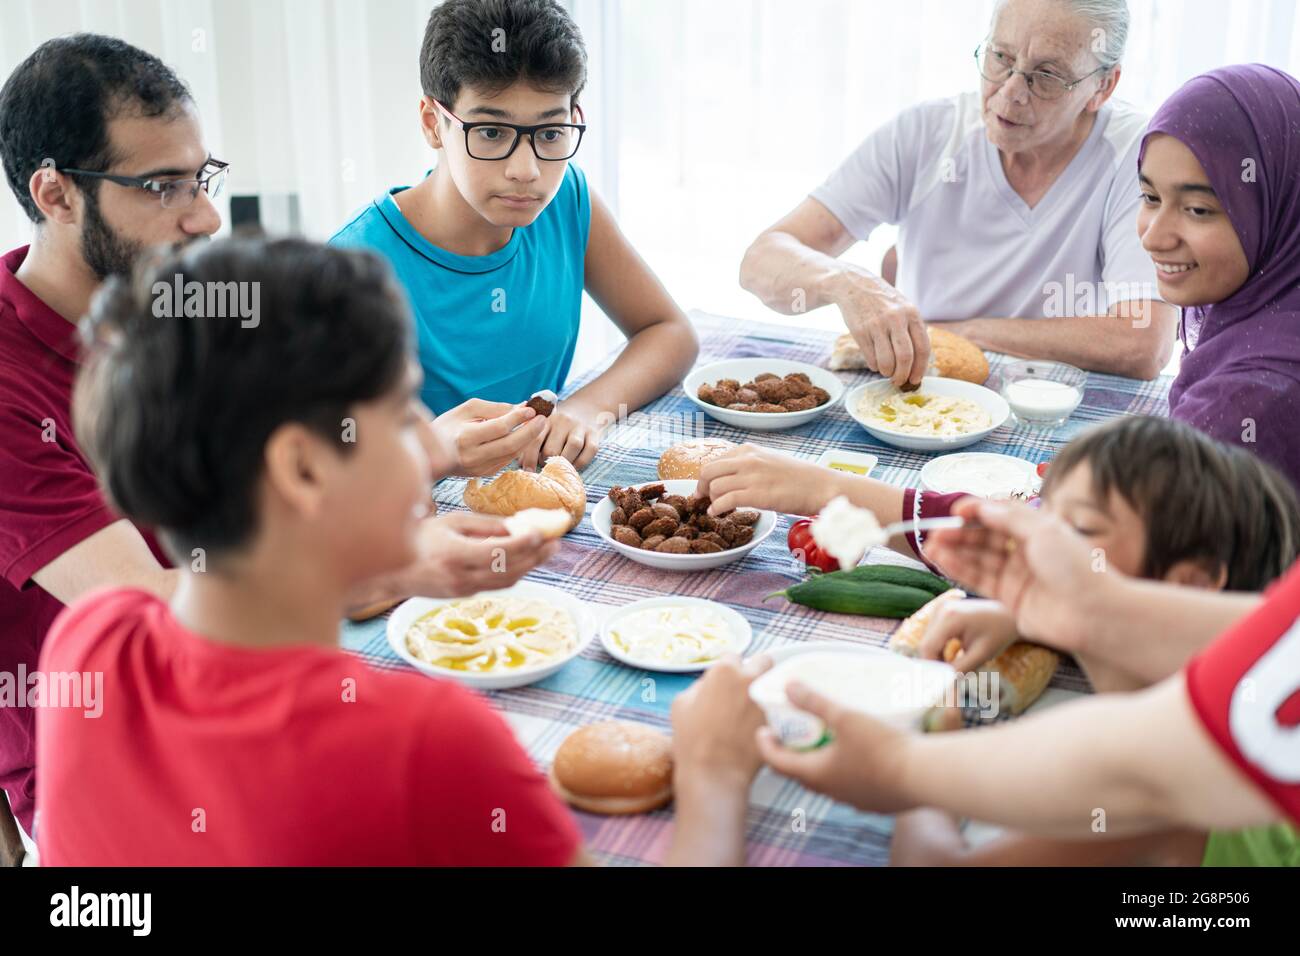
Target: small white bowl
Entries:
(741, 633)
(901, 691)
(987, 399)
(1021, 476)
(743, 370)
(679, 562)
(408, 612)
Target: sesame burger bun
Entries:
(614, 767)
(685, 459)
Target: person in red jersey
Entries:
(1216, 745)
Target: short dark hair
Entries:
(174, 413)
(1201, 501)
(59, 101)
(537, 42)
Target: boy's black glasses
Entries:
(174, 193)
(551, 142)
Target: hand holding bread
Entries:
(462, 554)
(975, 635)
(951, 356)
(886, 328)
(967, 634)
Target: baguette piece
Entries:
(1024, 669)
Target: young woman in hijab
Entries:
(1220, 216)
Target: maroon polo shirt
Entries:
(50, 501)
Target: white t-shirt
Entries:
(968, 245)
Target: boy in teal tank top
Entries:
(495, 247)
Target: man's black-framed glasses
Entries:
(174, 193)
(998, 67)
(551, 142)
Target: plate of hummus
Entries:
(495, 639)
(676, 635)
(942, 415)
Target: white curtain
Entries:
(707, 119)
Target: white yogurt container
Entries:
(888, 686)
(1042, 394)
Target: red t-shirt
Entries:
(208, 754)
(49, 500)
(1245, 687)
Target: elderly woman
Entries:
(1017, 210)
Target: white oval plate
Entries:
(989, 400)
(1031, 479)
(741, 633)
(408, 612)
(744, 370)
(679, 562)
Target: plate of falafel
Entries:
(763, 394)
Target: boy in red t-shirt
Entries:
(285, 458)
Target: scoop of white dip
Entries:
(847, 532)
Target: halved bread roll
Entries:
(557, 485)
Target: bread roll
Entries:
(685, 459)
(614, 767)
(557, 485)
(951, 356)
(1024, 670)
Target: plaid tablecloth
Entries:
(787, 824)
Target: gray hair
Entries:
(1109, 19)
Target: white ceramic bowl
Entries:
(679, 562)
(744, 370)
(896, 689)
(987, 399)
(940, 475)
(741, 633)
(408, 612)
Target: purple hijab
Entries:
(1240, 374)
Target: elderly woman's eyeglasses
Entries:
(174, 193)
(552, 142)
(998, 67)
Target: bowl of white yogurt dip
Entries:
(982, 474)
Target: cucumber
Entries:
(843, 595)
(893, 574)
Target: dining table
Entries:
(787, 824)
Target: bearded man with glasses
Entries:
(102, 147)
(1016, 206)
